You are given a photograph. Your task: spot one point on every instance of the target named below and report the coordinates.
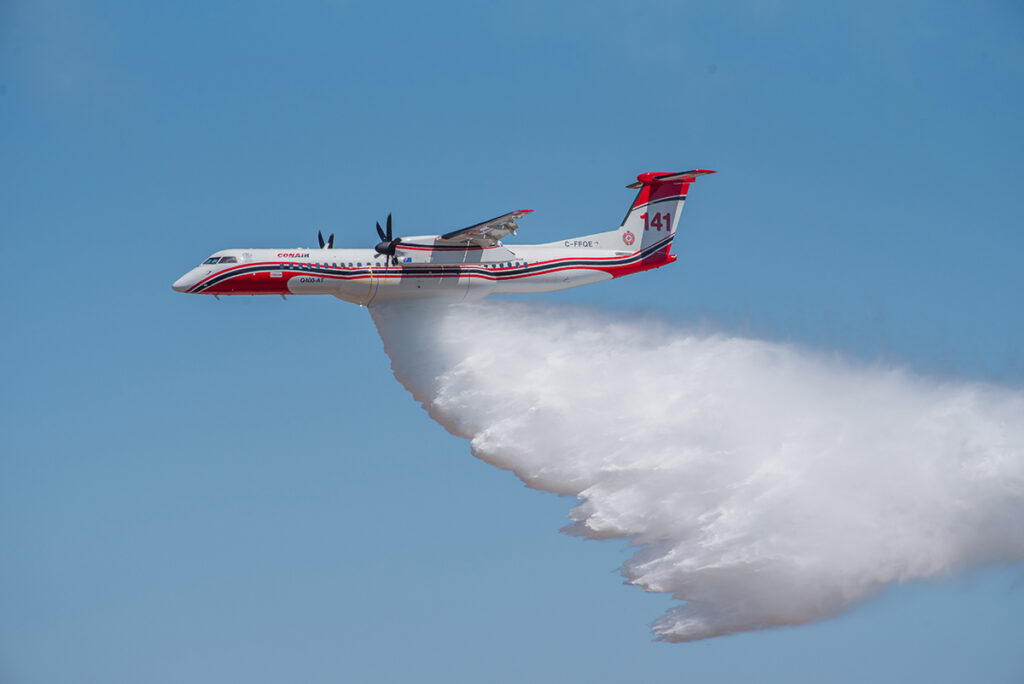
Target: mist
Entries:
(761, 484)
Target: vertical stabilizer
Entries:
(654, 215)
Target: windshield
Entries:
(221, 260)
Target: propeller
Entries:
(387, 243)
(329, 243)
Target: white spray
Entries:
(763, 485)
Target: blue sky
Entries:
(210, 491)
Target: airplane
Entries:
(465, 264)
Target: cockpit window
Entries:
(212, 260)
(229, 260)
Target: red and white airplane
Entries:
(469, 263)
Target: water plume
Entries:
(761, 484)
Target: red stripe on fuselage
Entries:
(252, 283)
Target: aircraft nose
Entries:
(183, 283)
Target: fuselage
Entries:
(419, 268)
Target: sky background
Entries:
(239, 490)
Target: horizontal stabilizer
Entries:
(682, 177)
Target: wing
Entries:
(486, 233)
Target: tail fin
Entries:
(651, 221)
(654, 215)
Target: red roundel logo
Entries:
(628, 237)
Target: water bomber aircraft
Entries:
(464, 264)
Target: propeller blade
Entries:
(386, 246)
(320, 237)
(330, 242)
